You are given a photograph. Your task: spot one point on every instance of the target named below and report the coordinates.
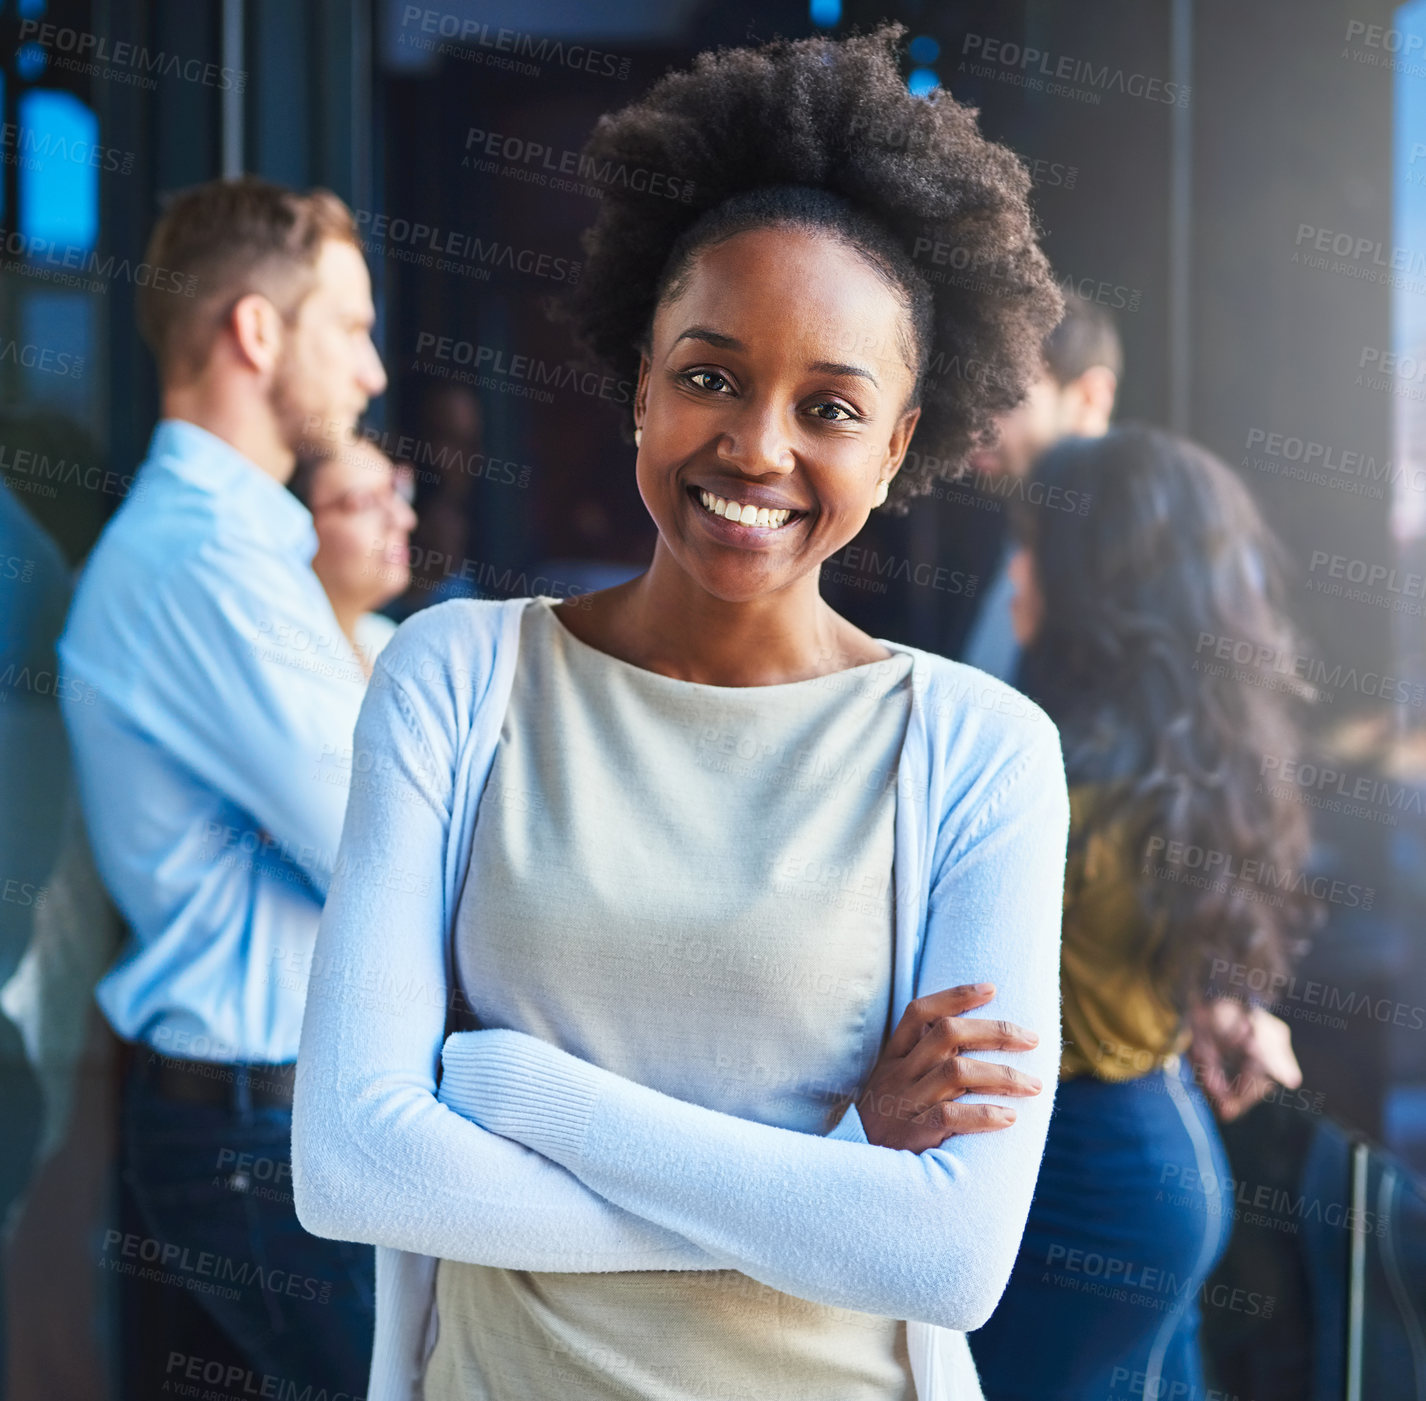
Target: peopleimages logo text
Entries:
(478, 33)
(1026, 60)
(530, 368)
(546, 160)
(100, 48)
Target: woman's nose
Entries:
(758, 442)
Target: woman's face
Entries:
(776, 380)
(363, 528)
(1027, 604)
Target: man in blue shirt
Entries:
(1073, 397)
(210, 701)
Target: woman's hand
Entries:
(909, 1099)
(1238, 1053)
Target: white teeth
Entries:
(745, 515)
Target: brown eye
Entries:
(693, 376)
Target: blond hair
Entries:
(226, 239)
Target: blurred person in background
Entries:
(54, 918)
(210, 703)
(1072, 397)
(1162, 754)
(360, 505)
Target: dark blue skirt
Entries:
(1132, 1211)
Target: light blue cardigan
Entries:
(532, 1159)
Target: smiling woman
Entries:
(716, 873)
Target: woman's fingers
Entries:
(923, 1012)
(1270, 1048)
(946, 1120)
(953, 1037)
(921, 1070)
(946, 1080)
(979, 1034)
(953, 1076)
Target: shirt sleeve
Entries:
(251, 691)
(930, 1236)
(376, 1156)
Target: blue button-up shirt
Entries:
(210, 698)
(991, 644)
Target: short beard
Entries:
(302, 430)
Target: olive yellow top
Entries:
(1118, 1023)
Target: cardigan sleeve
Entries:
(375, 1156)
(929, 1237)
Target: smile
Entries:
(738, 513)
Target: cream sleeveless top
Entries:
(690, 886)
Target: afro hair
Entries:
(834, 115)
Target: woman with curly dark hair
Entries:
(716, 873)
(1182, 864)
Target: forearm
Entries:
(399, 1169)
(377, 1158)
(848, 1224)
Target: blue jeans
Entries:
(212, 1184)
(1132, 1211)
